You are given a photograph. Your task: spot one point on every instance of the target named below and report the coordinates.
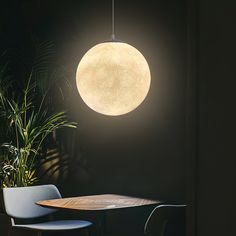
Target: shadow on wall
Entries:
(62, 161)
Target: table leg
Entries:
(104, 226)
(101, 229)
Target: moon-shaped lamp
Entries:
(113, 78)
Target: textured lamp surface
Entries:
(113, 78)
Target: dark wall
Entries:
(216, 164)
(141, 153)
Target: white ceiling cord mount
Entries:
(113, 78)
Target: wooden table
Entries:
(99, 203)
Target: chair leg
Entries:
(10, 224)
(88, 232)
(39, 233)
(9, 232)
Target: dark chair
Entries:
(166, 220)
(20, 205)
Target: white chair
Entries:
(20, 205)
(166, 220)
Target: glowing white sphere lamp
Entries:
(113, 78)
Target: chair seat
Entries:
(60, 225)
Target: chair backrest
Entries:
(19, 202)
(166, 220)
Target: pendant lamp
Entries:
(113, 77)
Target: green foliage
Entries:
(25, 122)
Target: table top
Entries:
(97, 202)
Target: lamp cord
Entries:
(113, 20)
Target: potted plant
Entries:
(25, 124)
